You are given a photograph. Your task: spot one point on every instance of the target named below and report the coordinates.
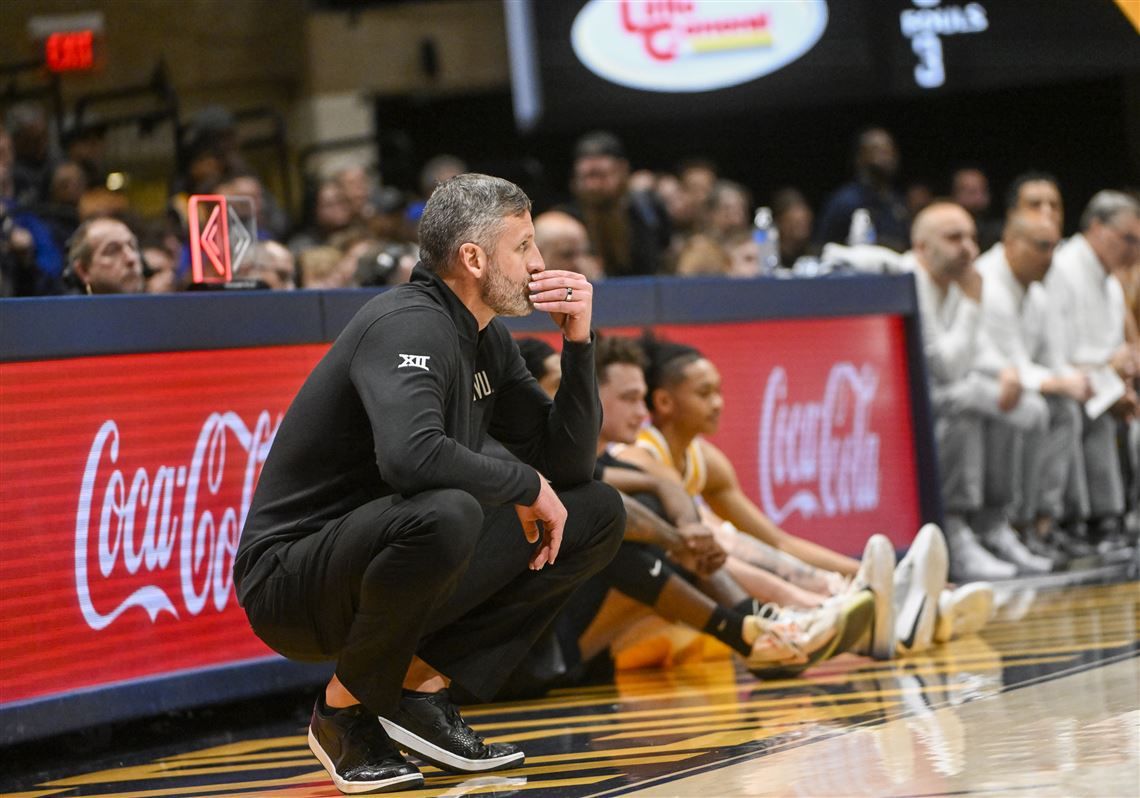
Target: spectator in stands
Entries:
(725, 218)
(327, 267)
(329, 214)
(1089, 315)
(359, 187)
(212, 155)
(793, 219)
(703, 255)
(212, 143)
(564, 244)
(643, 180)
(876, 165)
(31, 144)
(86, 146)
(437, 169)
(970, 398)
(697, 176)
(249, 185)
(917, 195)
(1016, 320)
(728, 211)
(683, 213)
(380, 263)
(970, 188)
(629, 231)
(743, 254)
(160, 269)
(272, 264)
(61, 210)
(30, 261)
(104, 256)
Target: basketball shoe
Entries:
(430, 726)
(352, 746)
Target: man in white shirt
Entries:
(1088, 310)
(1017, 322)
(969, 394)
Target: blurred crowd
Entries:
(56, 202)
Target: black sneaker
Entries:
(356, 752)
(429, 726)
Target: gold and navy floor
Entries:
(1044, 702)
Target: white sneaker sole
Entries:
(360, 787)
(442, 758)
(881, 581)
(914, 629)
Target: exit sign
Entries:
(69, 42)
(70, 51)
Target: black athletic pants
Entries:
(437, 575)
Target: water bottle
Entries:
(862, 230)
(767, 237)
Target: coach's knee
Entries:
(453, 519)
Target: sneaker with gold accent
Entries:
(786, 642)
(963, 611)
(877, 574)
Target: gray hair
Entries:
(79, 249)
(1106, 206)
(467, 208)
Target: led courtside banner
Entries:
(123, 484)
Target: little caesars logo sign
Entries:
(819, 457)
(694, 45)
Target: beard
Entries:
(503, 296)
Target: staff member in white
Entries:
(1087, 308)
(1016, 318)
(969, 396)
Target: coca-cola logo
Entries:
(173, 519)
(823, 453)
(694, 45)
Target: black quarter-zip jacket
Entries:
(400, 404)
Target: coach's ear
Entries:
(472, 259)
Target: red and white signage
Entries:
(125, 481)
